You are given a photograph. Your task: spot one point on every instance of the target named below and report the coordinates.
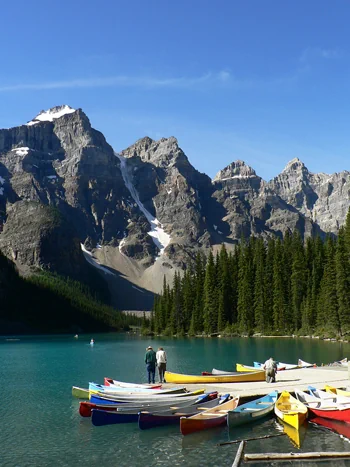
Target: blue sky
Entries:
(262, 81)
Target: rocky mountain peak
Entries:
(51, 114)
(295, 165)
(162, 153)
(237, 169)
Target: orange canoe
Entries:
(208, 418)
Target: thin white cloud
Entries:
(311, 53)
(121, 81)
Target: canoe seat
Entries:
(251, 409)
(264, 403)
(221, 411)
(210, 414)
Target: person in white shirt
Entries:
(270, 367)
(161, 363)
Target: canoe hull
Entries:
(105, 417)
(210, 418)
(339, 415)
(235, 378)
(244, 368)
(291, 410)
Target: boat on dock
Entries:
(208, 418)
(148, 419)
(290, 410)
(86, 407)
(122, 384)
(253, 410)
(128, 415)
(337, 391)
(244, 368)
(138, 400)
(100, 388)
(303, 364)
(232, 378)
(324, 408)
(280, 366)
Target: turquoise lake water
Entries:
(41, 426)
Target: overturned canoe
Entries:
(122, 384)
(86, 407)
(253, 410)
(94, 387)
(149, 419)
(290, 410)
(324, 408)
(208, 418)
(280, 366)
(302, 364)
(337, 391)
(244, 368)
(136, 400)
(232, 378)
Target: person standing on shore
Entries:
(270, 367)
(161, 363)
(150, 360)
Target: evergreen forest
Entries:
(49, 303)
(276, 287)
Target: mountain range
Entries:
(68, 199)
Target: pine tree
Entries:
(224, 292)
(343, 282)
(245, 305)
(298, 279)
(259, 287)
(278, 289)
(210, 297)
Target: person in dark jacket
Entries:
(150, 360)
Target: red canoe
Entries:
(86, 407)
(333, 413)
(208, 418)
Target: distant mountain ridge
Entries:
(147, 211)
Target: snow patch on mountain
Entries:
(90, 259)
(51, 114)
(21, 151)
(160, 238)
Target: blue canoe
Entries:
(253, 410)
(172, 417)
(105, 417)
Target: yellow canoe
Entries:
(245, 368)
(234, 378)
(80, 393)
(338, 392)
(290, 410)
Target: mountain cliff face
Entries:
(144, 212)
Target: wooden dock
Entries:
(286, 380)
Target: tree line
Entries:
(282, 286)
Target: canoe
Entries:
(235, 378)
(252, 410)
(338, 392)
(101, 417)
(280, 366)
(244, 368)
(290, 410)
(324, 395)
(208, 418)
(94, 387)
(80, 393)
(302, 364)
(172, 417)
(342, 429)
(122, 384)
(171, 398)
(324, 408)
(86, 407)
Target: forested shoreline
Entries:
(278, 287)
